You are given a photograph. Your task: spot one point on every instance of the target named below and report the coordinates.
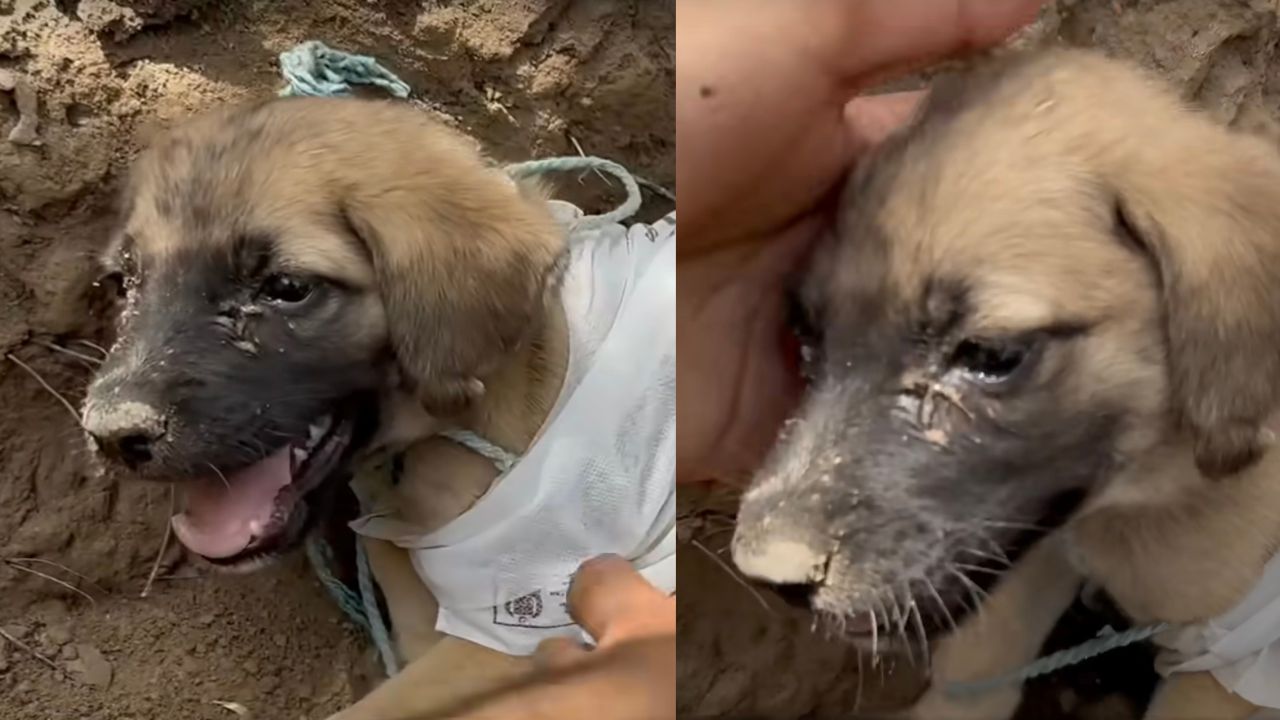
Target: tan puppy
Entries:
(1054, 301)
(296, 274)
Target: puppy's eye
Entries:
(286, 289)
(990, 361)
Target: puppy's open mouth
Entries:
(233, 518)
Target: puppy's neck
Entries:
(1170, 544)
(441, 479)
(520, 395)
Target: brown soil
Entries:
(528, 77)
(737, 659)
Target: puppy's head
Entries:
(280, 266)
(1054, 270)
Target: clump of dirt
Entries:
(739, 659)
(529, 78)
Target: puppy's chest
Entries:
(1167, 568)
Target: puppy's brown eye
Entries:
(286, 289)
(990, 361)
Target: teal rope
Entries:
(377, 627)
(500, 457)
(321, 557)
(1106, 641)
(314, 68)
(571, 163)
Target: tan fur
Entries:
(1037, 591)
(452, 267)
(422, 203)
(1190, 349)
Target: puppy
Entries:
(310, 284)
(1052, 303)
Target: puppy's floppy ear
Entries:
(1205, 204)
(464, 260)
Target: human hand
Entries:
(767, 123)
(629, 675)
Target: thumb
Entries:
(613, 602)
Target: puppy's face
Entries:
(281, 266)
(1017, 305)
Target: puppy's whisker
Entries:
(1014, 525)
(914, 611)
(93, 361)
(975, 592)
(899, 618)
(93, 345)
(736, 578)
(994, 547)
(942, 605)
(978, 569)
(900, 621)
(875, 636)
(1001, 558)
(221, 477)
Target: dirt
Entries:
(529, 78)
(738, 658)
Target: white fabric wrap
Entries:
(1241, 648)
(600, 477)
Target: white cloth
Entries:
(1241, 648)
(599, 478)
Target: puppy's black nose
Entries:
(133, 450)
(797, 595)
(127, 432)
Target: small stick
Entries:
(68, 570)
(68, 351)
(34, 653)
(655, 188)
(754, 593)
(53, 579)
(581, 153)
(65, 403)
(164, 545)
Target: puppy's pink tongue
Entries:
(222, 518)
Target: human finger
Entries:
(610, 600)
(876, 39)
(872, 118)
